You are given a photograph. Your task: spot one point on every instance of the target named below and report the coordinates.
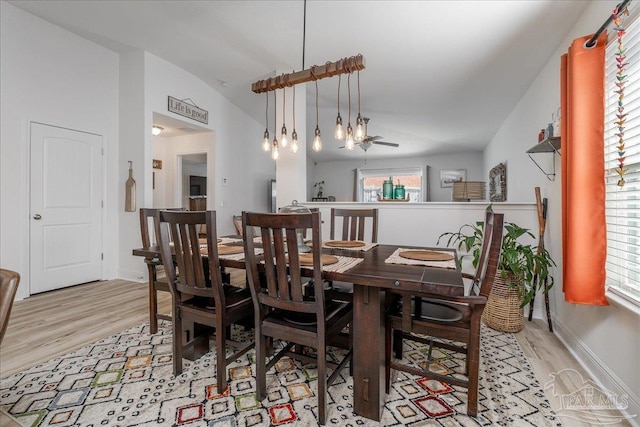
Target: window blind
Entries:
(623, 203)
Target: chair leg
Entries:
(322, 381)
(387, 358)
(153, 300)
(473, 360)
(397, 343)
(221, 365)
(177, 343)
(261, 365)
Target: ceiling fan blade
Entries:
(372, 138)
(390, 144)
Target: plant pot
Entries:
(503, 311)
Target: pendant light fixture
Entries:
(294, 134)
(317, 141)
(283, 135)
(349, 143)
(274, 149)
(359, 134)
(266, 144)
(339, 132)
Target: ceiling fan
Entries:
(368, 141)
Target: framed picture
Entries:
(449, 176)
(157, 164)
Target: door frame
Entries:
(26, 222)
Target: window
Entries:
(623, 203)
(369, 183)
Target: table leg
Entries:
(368, 352)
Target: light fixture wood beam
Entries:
(316, 72)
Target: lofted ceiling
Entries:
(440, 77)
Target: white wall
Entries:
(52, 76)
(339, 176)
(605, 339)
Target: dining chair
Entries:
(237, 223)
(456, 319)
(9, 281)
(282, 311)
(149, 220)
(199, 296)
(354, 224)
(354, 227)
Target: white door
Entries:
(66, 199)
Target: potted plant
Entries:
(523, 268)
(320, 186)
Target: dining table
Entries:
(372, 277)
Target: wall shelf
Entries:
(549, 145)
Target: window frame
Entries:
(380, 172)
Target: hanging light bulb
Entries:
(339, 132)
(316, 145)
(294, 134)
(266, 144)
(359, 134)
(274, 151)
(294, 142)
(283, 134)
(349, 143)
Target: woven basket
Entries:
(503, 311)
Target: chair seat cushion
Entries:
(434, 310)
(234, 297)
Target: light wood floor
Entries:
(51, 324)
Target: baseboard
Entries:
(598, 371)
(133, 275)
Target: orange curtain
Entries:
(584, 235)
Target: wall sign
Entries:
(192, 111)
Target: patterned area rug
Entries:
(126, 380)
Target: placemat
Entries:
(365, 246)
(240, 256)
(395, 258)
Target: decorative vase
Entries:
(503, 311)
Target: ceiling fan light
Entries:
(359, 134)
(339, 132)
(316, 145)
(156, 130)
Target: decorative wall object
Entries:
(130, 191)
(449, 176)
(498, 183)
(157, 164)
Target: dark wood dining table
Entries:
(371, 278)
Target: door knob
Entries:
(37, 216)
